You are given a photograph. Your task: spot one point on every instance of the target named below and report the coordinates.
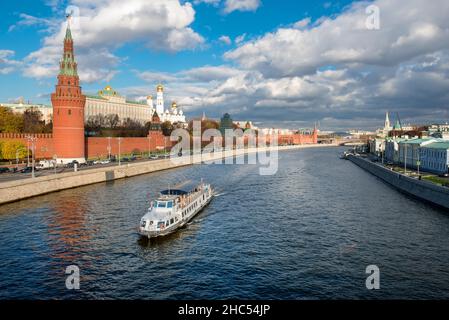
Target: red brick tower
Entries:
(315, 134)
(68, 108)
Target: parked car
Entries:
(4, 170)
(125, 159)
(133, 158)
(72, 164)
(154, 157)
(27, 170)
(90, 163)
(444, 175)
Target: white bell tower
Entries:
(160, 100)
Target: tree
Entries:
(32, 121)
(167, 128)
(112, 120)
(11, 149)
(10, 122)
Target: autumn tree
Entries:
(11, 149)
(10, 122)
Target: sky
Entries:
(278, 63)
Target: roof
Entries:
(416, 141)
(438, 145)
(173, 192)
(136, 102)
(94, 96)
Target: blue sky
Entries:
(279, 63)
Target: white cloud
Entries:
(103, 26)
(241, 5)
(406, 32)
(240, 38)
(225, 39)
(301, 24)
(7, 64)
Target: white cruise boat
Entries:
(173, 209)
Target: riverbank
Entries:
(27, 188)
(420, 189)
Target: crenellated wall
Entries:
(44, 142)
(98, 147)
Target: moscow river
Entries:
(308, 232)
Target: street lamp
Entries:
(17, 157)
(119, 143)
(109, 148)
(405, 158)
(33, 149)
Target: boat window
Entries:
(172, 221)
(161, 204)
(170, 204)
(167, 223)
(161, 224)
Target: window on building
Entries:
(70, 112)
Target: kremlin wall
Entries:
(68, 141)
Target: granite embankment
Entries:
(420, 189)
(21, 189)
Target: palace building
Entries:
(21, 106)
(109, 101)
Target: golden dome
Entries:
(174, 105)
(149, 97)
(108, 88)
(160, 88)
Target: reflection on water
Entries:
(307, 232)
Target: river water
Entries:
(308, 232)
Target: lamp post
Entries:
(17, 157)
(28, 151)
(405, 158)
(149, 146)
(119, 143)
(418, 163)
(109, 148)
(32, 140)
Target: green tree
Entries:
(167, 128)
(11, 147)
(10, 122)
(32, 121)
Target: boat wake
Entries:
(219, 194)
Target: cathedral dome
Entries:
(160, 88)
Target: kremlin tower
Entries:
(68, 108)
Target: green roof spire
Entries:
(68, 66)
